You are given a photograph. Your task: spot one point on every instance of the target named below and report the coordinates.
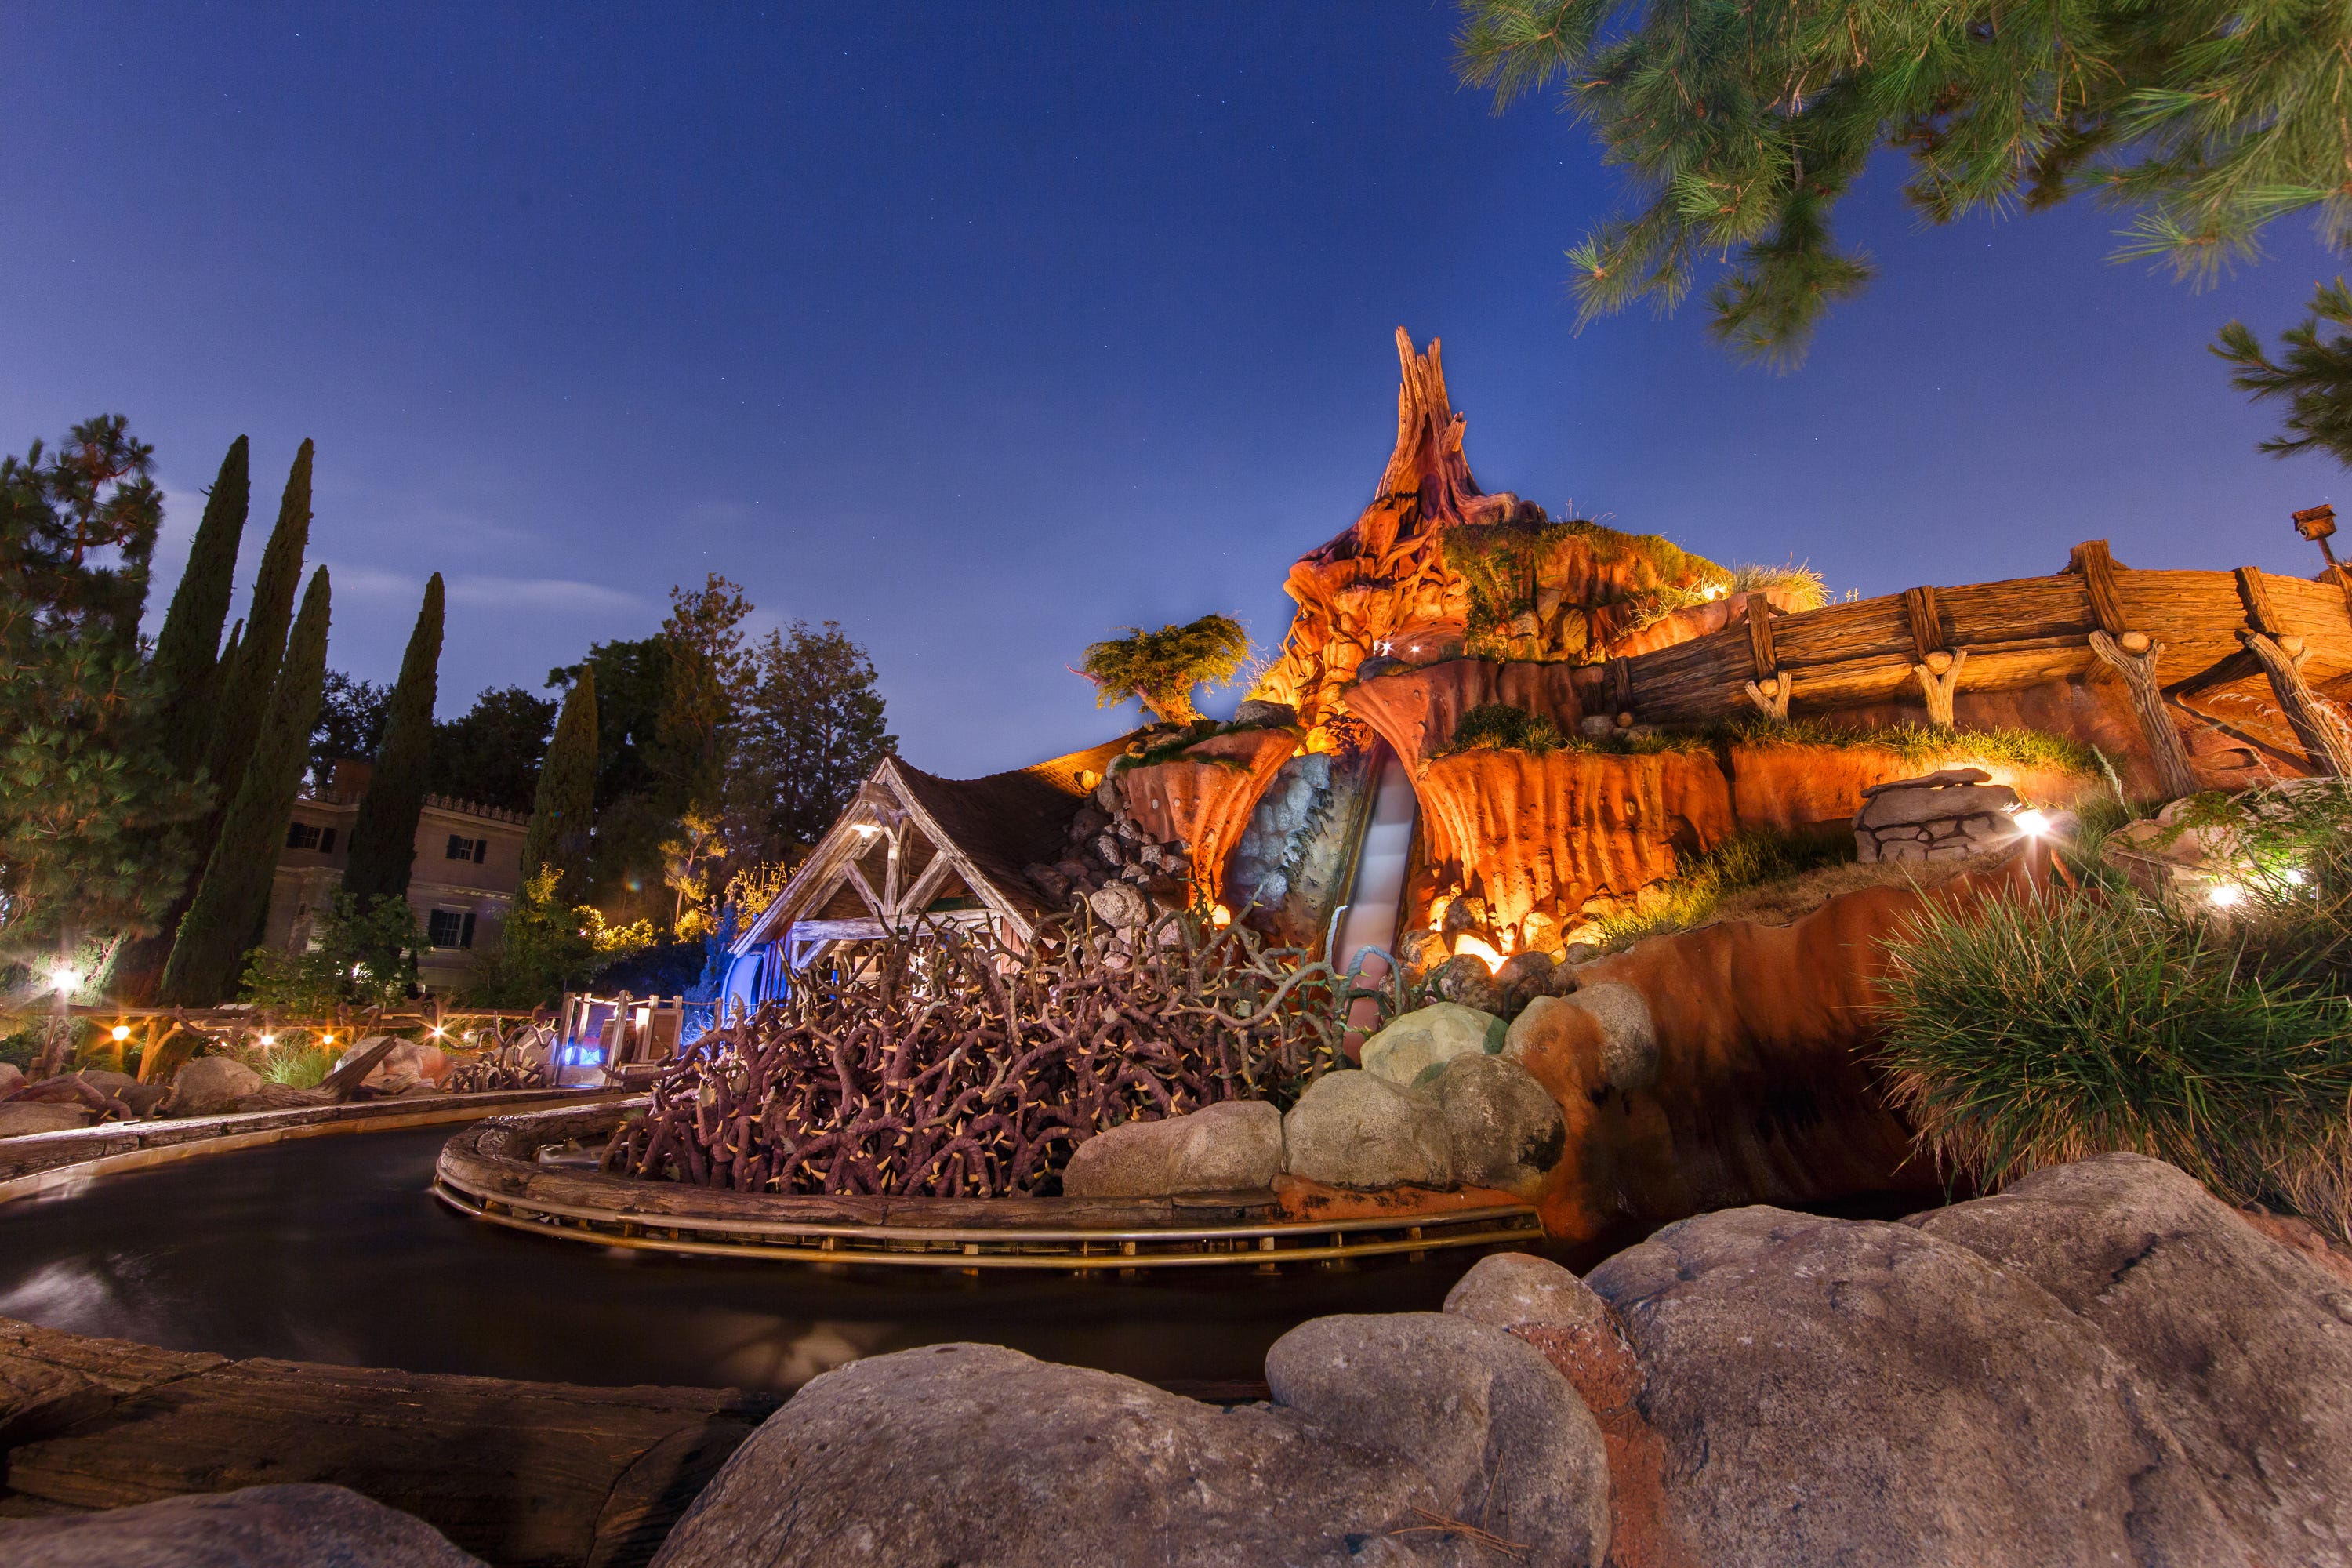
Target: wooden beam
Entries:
(1926, 624)
(2237, 667)
(2320, 732)
(2091, 563)
(2255, 596)
(2164, 743)
(1620, 686)
(1759, 637)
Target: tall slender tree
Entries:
(246, 687)
(564, 810)
(233, 897)
(190, 642)
(384, 839)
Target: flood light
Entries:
(1478, 950)
(269, 1040)
(327, 1039)
(2224, 895)
(2032, 821)
(122, 1032)
(65, 977)
(1221, 916)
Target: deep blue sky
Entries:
(985, 330)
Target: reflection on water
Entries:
(331, 1249)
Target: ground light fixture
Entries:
(2032, 823)
(121, 1033)
(2225, 895)
(65, 977)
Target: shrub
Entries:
(1803, 584)
(2044, 1026)
(1160, 668)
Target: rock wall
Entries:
(1203, 799)
(1727, 1066)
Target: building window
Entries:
(303, 835)
(462, 849)
(326, 841)
(449, 928)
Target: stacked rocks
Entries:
(1291, 812)
(1106, 846)
(1941, 816)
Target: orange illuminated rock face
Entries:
(1567, 591)
(1417, 711)
(1568, 834)
(1204, 796)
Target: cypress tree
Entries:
(189, 643)
(248, 683)
(566, 804)
(233, 897)
(383, 839)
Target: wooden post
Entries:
(1770, 696)
(1620, 686)
(1765, 657)
(2280, 652)
(2139, 672)
(1939, 679)
(1926, 621)
(2093, 564)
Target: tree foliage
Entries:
(2314, 375)
(707, 672)
(813, 727)
(1743, 125)
(233, 897)
(563, 813)
(92, 816)
(383, 835)
(188, 647)
(351, 713)
(1160, 668)
(547, 945)
(491, 753)
(356, 957)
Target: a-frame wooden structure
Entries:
(910, 847)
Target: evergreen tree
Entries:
(233, 896)
(189, 643)
(90, 814)
(708, 673)
(249, 684)
(352, 716)
(384, 839)
(2312, 374)
(1744, 126)
(565, 811)
(812, 728)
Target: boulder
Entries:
(2247, 1344)
(12, 1078)
(258, 1527)
(21, 1117)
(977, 1454)
(1120, 905)
(1501, 1129)
(1420, 954)
(1523, 977)
(1610, 1018)
(1494, 1425)
(144, 1099)
(1466, 979)
(1508, 1288)
(408, 1064)
(1353, 1129)
(1224, 1147)
(1866, 1394)
(1416, 1043)
(210, 1086)
(103, 1080)
(1265, 715)
(1941, 816)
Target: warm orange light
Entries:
(121, 1031)
(326, 1039)
(1221, 916)
(1479, 951)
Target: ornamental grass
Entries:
(2048, 1025)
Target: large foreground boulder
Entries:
(2246, 1344)
(211, 1086)
(259, 1527)
(1386, 1431)
(1831, 1391)
(1230, 1146)
(18, 1117)
(1501, 1129)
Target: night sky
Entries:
(985, 330)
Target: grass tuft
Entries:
(1750, 860)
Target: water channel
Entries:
(331, 1249)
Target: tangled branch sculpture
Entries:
(950, 1065)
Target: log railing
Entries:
(2166, 633)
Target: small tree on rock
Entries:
(1160, 668)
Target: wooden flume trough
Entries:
(491, 1173)
(2169, 635)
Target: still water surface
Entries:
(332, 1249)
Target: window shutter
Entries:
(466, 937)
(326, 841)
(481, 850)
